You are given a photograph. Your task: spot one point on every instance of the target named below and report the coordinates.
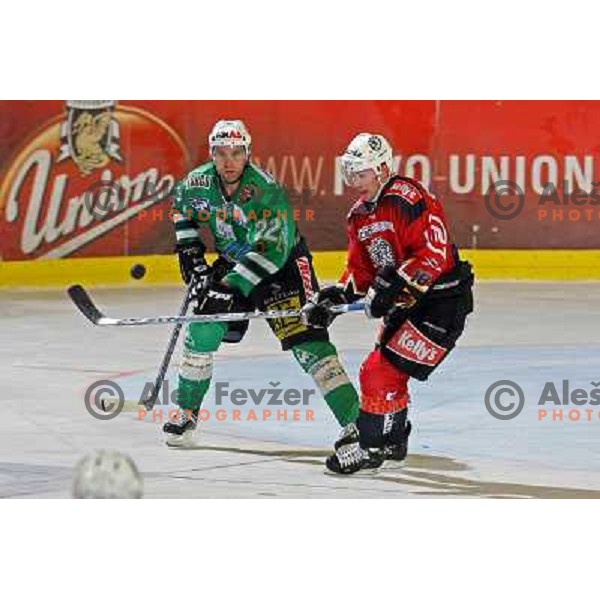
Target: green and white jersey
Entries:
(255, 227)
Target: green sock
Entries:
(320, 360)
(201, 340)
(190, 392)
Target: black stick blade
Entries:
(84, 303)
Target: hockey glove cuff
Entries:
(192, 261)
(391, 290)
(316, 313)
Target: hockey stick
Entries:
(86, 305)
(164, 367)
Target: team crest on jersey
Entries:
(200, 204)
(381, 253)
(90, 135)
(200, 180)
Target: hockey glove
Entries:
(390, 290)
(217, 299)
(192, 261)
(316, 313)
(221, 267)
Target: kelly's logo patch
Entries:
(411, 344)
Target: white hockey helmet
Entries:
(230, 133)
(367, 151)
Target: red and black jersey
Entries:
(405, 227)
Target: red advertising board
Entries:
(92, 178)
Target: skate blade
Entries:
(361, 472)
(393, 465)
(184, 440)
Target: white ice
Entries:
(530, 333)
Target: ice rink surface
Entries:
(529, 333)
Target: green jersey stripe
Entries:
(186, 234)
(247, 274)
(260, 260)
(256, 269)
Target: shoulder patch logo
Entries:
(406, 190)
(248, 192)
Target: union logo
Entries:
(90, 135)
(74, 189)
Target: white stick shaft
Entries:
(221, 317)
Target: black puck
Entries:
(138, 271)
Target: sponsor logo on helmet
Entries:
(375, 143)
(227, 134)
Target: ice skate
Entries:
(397, 447)
(349, 457)
(179, 430)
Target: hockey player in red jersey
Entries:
(402, 261)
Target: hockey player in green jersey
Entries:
(263, 262)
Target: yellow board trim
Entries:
(545, 265)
